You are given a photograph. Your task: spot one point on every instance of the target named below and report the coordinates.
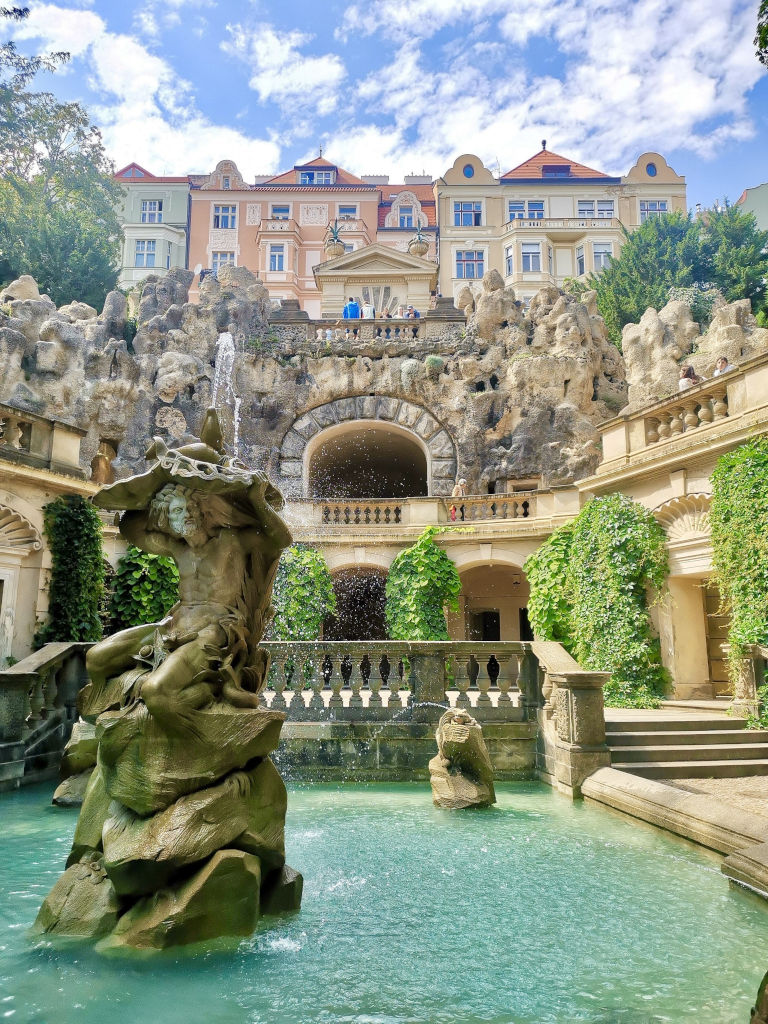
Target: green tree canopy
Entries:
(722, 247)
(58, 196)
(422, 583)
(761, 39)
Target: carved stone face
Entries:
(184, 520)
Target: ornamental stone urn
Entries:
(418, 245)
(333, 243)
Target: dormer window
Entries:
(556, 171)
(315, 177)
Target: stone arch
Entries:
(17, 534)
(685, 518)
(405, 416)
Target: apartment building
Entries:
(546, 220)
(154, 218)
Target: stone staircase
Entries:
(680, 744)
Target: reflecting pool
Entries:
(535, 911)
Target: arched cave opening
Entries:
(360, 601)
(361, 460)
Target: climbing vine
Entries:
(738, 521)
(589, 590)
(145, 588)
(73, 530)
(303, 595)
(422, 583)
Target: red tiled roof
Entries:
(342, 177)
(423, 193)
(146, 175)
(533, 168)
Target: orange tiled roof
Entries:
(534, 167)
(342, 177)
(145, 175)
(423, 193)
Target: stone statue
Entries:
(461, 773)
(180, 837)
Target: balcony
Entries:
(278, 225)
(562, 228)
(33, 441)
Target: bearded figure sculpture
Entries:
(181, 834)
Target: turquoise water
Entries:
(535, 911)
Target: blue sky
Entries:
(405, 86)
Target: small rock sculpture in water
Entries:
(461, 773)
(181, 833)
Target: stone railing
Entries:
(563, 223)
(271, 224)
(717, 411)
(38, 705)
(30, 440)
(480, 508)
(15, 431)
(379, 681)
(378, 329)
(371, 511)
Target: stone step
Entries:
(678, 723)
(641, 738)
(690, 752)
(693, 769)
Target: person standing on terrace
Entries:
(351, 310)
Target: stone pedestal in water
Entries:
(461, 774)
(180, 837)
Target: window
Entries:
(579, 260)
(601, 253)
(652, 208)
(347, 212)
(531, 257)
(469, 263)
(509, 259)
(650, 170)
(468, 171)
(405, 217)
(151, 211)
(145, 252)
(221, 259)
(225, 182)
(605, 208)
(315, 177)
(281, 212)
(467, 215)
(550, 261)
(224, 216)
(556, 171)
(586, 208)
(517, 209)
(168, 255)
(277, 257)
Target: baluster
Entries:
(50, 689)
(326, 514)
(651, 430)
(394, 700)
(506, 679)
(398, 513)
(705, 411)
(411, 682)
(483, 684)
(367, 514)
(494, 671)
(316, 706)
(385, 670)
(374, 679)
(664, 426)
(355, 681)
(279, 682)
(690, 419)
(336, 682)
(337, 515)
(473, 671)
(676, 421)
(720, 403)
(377, 515)
(357, 516)
(35, 704)
(11, 432)
(462, 680)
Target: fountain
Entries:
(181, 834)
(460, 773)
(223, 370)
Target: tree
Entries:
(303, 595)
(58, 197)
(422, 583)
(736, 254)
(761, 39)
(663, 253)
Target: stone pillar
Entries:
(579, 723)
(751, 675)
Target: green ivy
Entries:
(422, 583)
(145, 588)
(589, 590)
(303, 595)
(73, 530)
(738, 520)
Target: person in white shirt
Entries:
(688, 378)
(723, 366)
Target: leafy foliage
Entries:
(73, 529)
(589, 584)
(422, 583)
(761, 39)
(303, 595)
(16, 69)
(723, 247)
(738, 521)
(145, 588)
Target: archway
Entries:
(360, 603)
(493, 603)
(366, 460)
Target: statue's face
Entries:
(184, 521)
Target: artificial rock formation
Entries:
(77, 764)
(181, 834)
(461, 774)
(515, 394)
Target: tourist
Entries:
(369, 312)
(723, 366)
(351, 310)
(688, 378)
(460, 491)
(453, 513)
(412, 314)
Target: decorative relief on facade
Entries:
(685, 518)
(222, 240)
(562, 716)
(253, 213)
(313, 213)
(226, 176)
(392, 220)
(17, 534)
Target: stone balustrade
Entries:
(30, 440)
(562, 224)
(697, 407)
(38, 705)
(479, 508)
(15, 430)
(382, 680)
(379, 329)
(376, 512)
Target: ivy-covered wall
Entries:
(590, 584)
(303, 595)
(738, 521)
(73, 530)
(144, 589)
(422, 583)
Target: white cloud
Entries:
(146, 111)
(281, 73)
